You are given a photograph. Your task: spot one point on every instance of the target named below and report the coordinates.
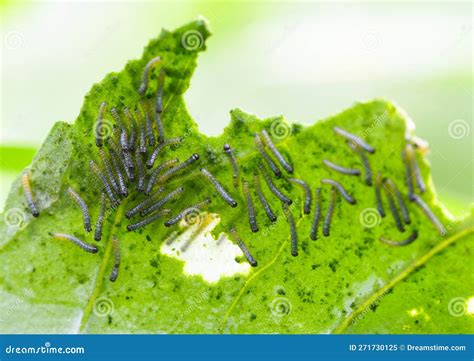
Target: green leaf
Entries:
(185, 280)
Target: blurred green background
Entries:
(304, 60)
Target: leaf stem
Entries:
(400, 277)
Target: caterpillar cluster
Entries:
(269, 168)
(129, 164)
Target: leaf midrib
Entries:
(420, 261)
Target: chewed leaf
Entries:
(206, 234)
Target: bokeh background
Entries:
(304, 60)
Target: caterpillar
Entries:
(118, 122)
(160, 128)
(355, 139)
(161, 202)
(250, 207)
(123, 191)
(99, 141)
(341, 169)
(85, 211)
(266, 206)
(171, 141)
(146, 74)
(269, 143)
(131, 212)
(131, 167)
(401, 203)
(172, 221)
(149, 130)
(172, 171)
(317, 216)
(148, 125)
(156, 172)
(308, 196)
(243, 247)
(25, 182)
(119, 154)
(330, 212)
(85, 246)
(115, 271)
(393, 208)
(378, 196)
(340, 188)
(293, 233)
(219, 188)
(365, 163)
(95, 169)
(140, 171)
(413, 164)
(408, 171)
(133, 131)
(108, 170)
(100, 218)
(429, 213)
(146, 221)
(123, 154)
(266, 157)
(413, 236)
(141, 132)
(416, 170)
(272, 186)
(235, 168)
(123, 131)
(159, 92)
(151, 160)
(124, 139)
